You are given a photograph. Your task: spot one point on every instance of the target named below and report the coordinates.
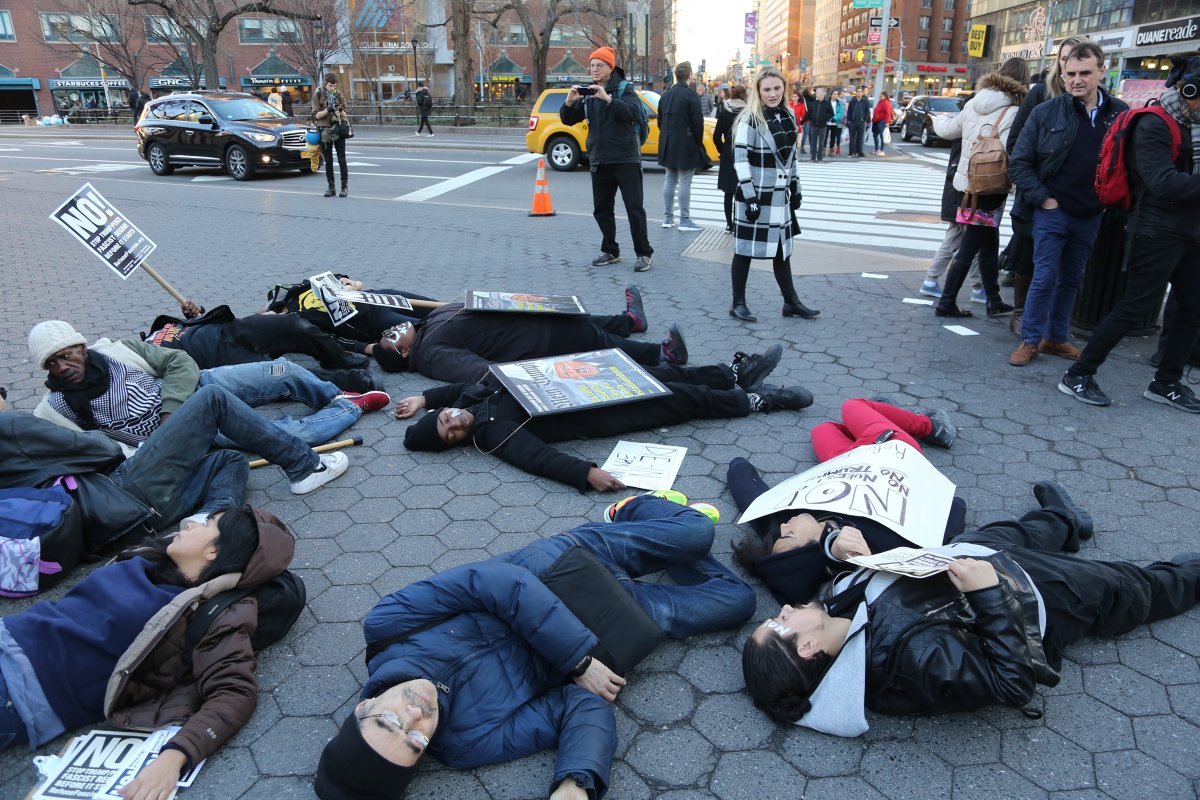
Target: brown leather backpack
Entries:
(987, 168)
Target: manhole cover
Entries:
(909, 216)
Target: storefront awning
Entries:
(20, 83)
(88, 83)
(175, 82)
(276, 80)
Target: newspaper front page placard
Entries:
(397, 301)
(104, 231)
(890, 483)
(906, 561)
(645, 466)
(87, 764)
(326, 287)
(524, 302)
(580, 380)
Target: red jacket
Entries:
(798, 109)
(883, 111)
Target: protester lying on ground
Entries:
(455, 345)
(127, 388)
(118, 632)
(361, 332)
(986, 632)
(495, 422)
(217, 338)
(488, 662)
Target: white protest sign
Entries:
(890, 483)
(370, 298)
(87, 765)
(645, 466)
(104, 231)
(326, 287)
(139, 758)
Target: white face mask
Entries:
(455, 413)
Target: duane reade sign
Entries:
(1178, 30)
(104, 231)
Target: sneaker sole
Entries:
(690, 228)
(333, 472)
(606, 263)
(929, 293)
(1158, 398)
(1062, 387)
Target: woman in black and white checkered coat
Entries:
(764, 157)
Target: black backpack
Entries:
(280, 601)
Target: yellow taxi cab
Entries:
(566, 145)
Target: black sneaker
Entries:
(642, 264)
(1084, 389)
(1174, 394)
(634, 310)
(749, 371)
(777, 398)
(1052, 495)
(604, 259)
(943, 432)
(674, 349)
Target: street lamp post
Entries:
(318, 29)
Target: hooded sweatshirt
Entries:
(982, 116)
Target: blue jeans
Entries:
(1061, 247)
(173, 472)
(683, 179)
(278, 381)
(655, 535)
(877, 129)
(12, 729)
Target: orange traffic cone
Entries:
(542, 207)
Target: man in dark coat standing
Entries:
(817, 115)
(680, 142)
(858, 115)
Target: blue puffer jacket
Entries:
(500, 665)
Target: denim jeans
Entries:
(281, 381)
(1061, 247)
(683, 179)
(877, 129)
(173, 472)
(12, 729)
(655, 535)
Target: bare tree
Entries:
(203, 21)
(110, 31)
(538, 18)
(316, 42)
(185, 59)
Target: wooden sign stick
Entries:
(153, 273)
(324, 448)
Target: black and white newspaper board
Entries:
(580, 380)
(326, 287)
(397, 301)
(524, 303)
(890, 483)
(97, 763)
(104, 231)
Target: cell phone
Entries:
(586, 91)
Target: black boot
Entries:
(331, 191)
(777, 398)
(345, 187)
(792, 307)
(739, 310)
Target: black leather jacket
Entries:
(612, 127)
(1166, 192)
(932, 649)
(1044, 144)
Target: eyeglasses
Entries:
(395, 333)
(393, 724)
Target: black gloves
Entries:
(794, 196)
(752, 209)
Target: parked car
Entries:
(899, 112)
(565, 146)
(219, 129)
(918, 117)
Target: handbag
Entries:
(344, 129)
(107, 512)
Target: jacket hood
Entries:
(276, 546)
(1010, 92)
(735, 105)
(616, 77)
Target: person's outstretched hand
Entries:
(598, 479)
(409, 406)
(601, 680)
(567, 789)
(157, 779)
(191, 309)
(971, 574)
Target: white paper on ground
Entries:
(645, 466)
(916, 301)
(874, 275)
(960, 330)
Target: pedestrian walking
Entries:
(424, 106)
(951, 200)
(727, 180)
(274, 100)
(1165, 225)
(987, 116)
(834, 126)
(858, 116)
(613, 112)
(706, 98)
(288, 101)
(881, 117)
(819, 113)
(1054, 165)
(329, 114)
(764, 156)
(680, 143)
(799, 108)
(804, 121)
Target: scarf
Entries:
(783, 128)
(1188, 119)
(96, 376)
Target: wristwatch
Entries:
(581, 667)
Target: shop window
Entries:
(924, 23)
(58, 27)
(944, 47)
(256, 30)
(7, 34)
(947, 24)
(923, 44)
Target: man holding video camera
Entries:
(610, 106)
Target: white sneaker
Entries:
(689, 226)
(668, 223)
(332, 465)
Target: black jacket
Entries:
(1044, 145)
(932, 649)
(819, 112)
(1166, 194)
(680, 128)
(723, 140)
(612, 127)
(858, 110)
(33, 452)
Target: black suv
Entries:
(209, 129)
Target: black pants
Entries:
(1154, 261)
(249, 339)
(606, 180)
(1082, 597)
(1020, 248)
(739, 271)
(834, 136)
(981, 240)
(729, 209)
(327, 149)
(856, 138)
(424, 123)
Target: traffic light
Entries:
(860, 55)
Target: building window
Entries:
(924, 23)
(161, 30)
(944, 47)
(964, 48)
(947, 5)
(947, 24)
(926, 3)
(257, 30)
(7, 34)
(568, 35)
(59, 27)
(516, 35)
(923, 44)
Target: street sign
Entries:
(873, 37)
(877, 22)
(868, 4)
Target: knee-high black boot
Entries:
(947, 306)
(792, 307)
(739, 272)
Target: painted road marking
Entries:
(442, 188)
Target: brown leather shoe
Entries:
(1061, 349)
(1023, 355)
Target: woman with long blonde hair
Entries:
(768, 193)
